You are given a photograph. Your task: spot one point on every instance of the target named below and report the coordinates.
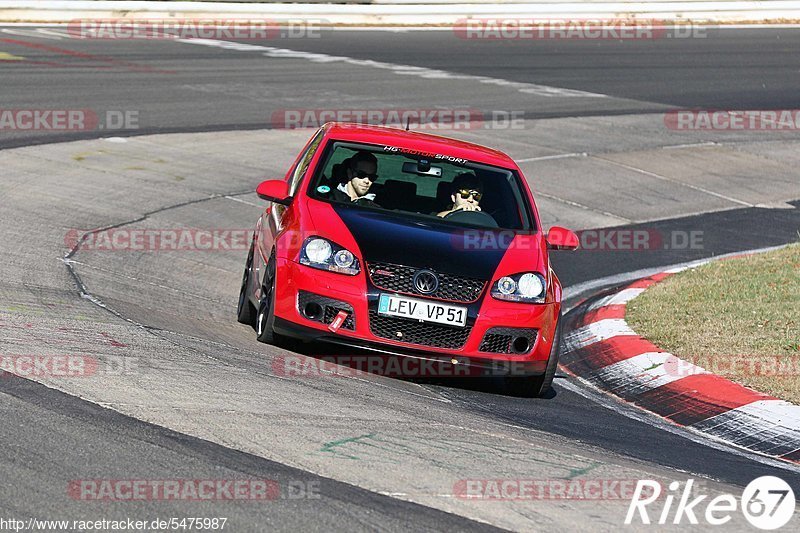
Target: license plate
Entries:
(424, 310)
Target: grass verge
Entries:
(739, 318)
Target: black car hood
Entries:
(440, 246)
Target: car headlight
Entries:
(506, 285)
(326, 255)
(527, 287)
(318, 250)
(343, 258)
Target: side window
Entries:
(302, 165)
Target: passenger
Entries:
(467, 193)
(361, 173)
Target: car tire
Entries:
(538, 386)
(245, 313)
(265, 318)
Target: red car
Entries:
(412, 245)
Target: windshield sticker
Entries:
(422, 153)
(323, 189)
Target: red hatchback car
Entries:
(412, 245)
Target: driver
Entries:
(362, 171)
(467, 191)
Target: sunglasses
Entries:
(361, 174)
(466, 193)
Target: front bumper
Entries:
(294, 279)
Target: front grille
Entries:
(499, 340)
(330, 308)
(398, 278)
(415, 332)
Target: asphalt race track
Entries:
(181, 87)
(192, 395)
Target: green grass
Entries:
(739, 318)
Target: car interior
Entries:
(399, 191)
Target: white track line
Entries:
(584, 207)
(677, 182)
(54, 33)
(260, 206)
(690, 145)
(407, 70)
(548, 157)
(36, 34)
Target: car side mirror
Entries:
(275, 191)
(559, 238)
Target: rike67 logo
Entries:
(767, 502)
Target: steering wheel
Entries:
(477, 218)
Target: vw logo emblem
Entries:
(425, 281)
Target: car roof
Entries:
(415, 140)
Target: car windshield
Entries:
(427, 185)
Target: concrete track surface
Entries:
(185, 392)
